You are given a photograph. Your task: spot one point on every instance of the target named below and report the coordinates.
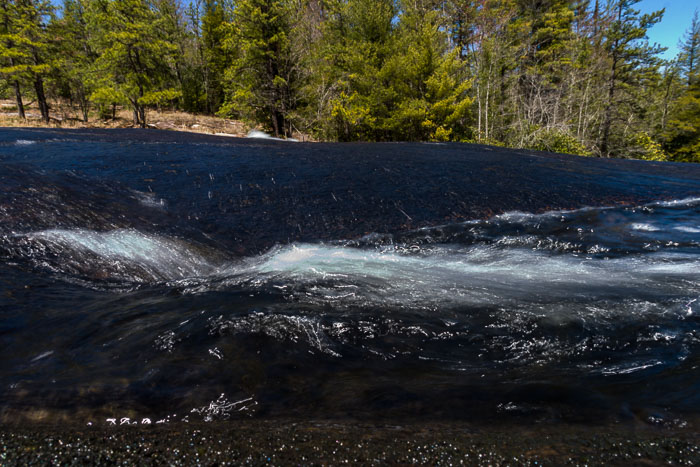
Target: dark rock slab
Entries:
(250, 194)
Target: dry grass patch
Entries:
(66, 116)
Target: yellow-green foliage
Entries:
(133, 53)
(489, 142)
(104, 97)
(420, 89)
(555, 140)
(163, 97)
(23, 39)
(441, 133)
(352, 113)
(648, 148)
(449, 101)
(683, 131)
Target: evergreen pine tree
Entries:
(11, 68)
(215, 58)
(263, 80)
(135, 59)
(630, 56)
(24, 47)
(544, 82)
(690, 50)
(427, 86)
(683, 130)
(358, 38)
(75, 55)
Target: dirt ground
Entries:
(66, 116)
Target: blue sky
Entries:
(675, 22)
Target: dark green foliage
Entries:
(135, 58)
(631, 60)
(358, 35)
(215, 57)
(262, 81)
(690, 50)
(392, 74)
(683, 132)
(24, 46)
(75, 55)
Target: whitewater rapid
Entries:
(513, 258)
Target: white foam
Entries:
(683, 228)
(262, 135)
(644, 227)
(628, 368)
(676, 202)
(42, 356)
(519, 216)
(24, 142)
(445, 275)
(159, 257)
(453, 276)
(149, 199)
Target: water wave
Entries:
(585, 254)
(118, 255)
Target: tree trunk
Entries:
(580, 132)
(41, 98)
(39, 88)
(141, 109)
(18, 99)
(139, 113)
(488, 99)
(667, 100)
(275, 123)
(142, 115)
(84, 105)
(607, 121)
(478, 102)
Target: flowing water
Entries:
(126, 296)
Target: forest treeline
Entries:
(575, 76)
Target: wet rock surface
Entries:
(279, 192)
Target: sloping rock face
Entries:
(252, 194)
